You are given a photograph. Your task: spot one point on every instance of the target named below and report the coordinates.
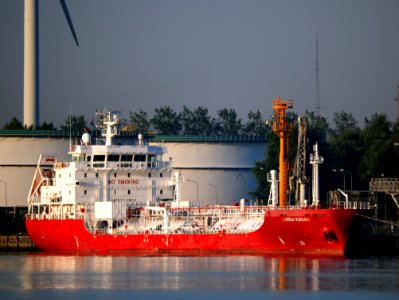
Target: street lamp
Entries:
(350, 173)
(216, 192)
(337, 171)
(243, 183)
(343, 173)
(5, 193)
(193, 181)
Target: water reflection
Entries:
(234, 273)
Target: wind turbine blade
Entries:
(68, 17)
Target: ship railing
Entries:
(340, 205)
(353, 205)
(177, 230)
(138, 165)
(61, 165)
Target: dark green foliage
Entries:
(14, 124)
(345, 149)
(229, 124)
(46, 126)
(139, 121)
(256, 125)
(196, 122)
(74, 123)
(166, 121)
(381, 156)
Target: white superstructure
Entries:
(102, 180)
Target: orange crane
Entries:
(283, 129)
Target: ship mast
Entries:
(283, 129)
(109, 119)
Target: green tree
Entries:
(228, 122)
(166, 121)
(14, 124)
(381, 155)
(186, 119)
(196, 122)
(74, 123)
(345, 147)
(46, 126)
(255, 124)
(139, 121)
(318, 130)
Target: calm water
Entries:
(33, 276)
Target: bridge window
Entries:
(139, 157)
(113, 157)
(99, 158)
(126, 157)
(98, 161)
(151, 161)
(126, 160)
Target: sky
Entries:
(239, 54)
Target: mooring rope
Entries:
(379, 220)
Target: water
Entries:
(39, 276)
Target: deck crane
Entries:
(283, 129)
(298, 177)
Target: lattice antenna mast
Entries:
(317, 69)
(397, 103)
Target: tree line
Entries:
(166, 121)
(360, 152)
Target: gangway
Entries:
(389, 186)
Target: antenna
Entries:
(317, 77)
(397, 101)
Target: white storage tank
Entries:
(213, 171)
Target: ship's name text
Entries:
(296, 219)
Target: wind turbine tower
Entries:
(31, 59)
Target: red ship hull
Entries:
(303, 231)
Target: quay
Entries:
(16, 243)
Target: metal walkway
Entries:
(386, 185)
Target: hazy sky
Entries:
(144, 54)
